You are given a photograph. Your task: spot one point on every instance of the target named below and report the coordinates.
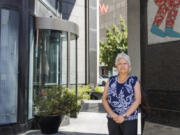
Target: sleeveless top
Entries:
(121, 95)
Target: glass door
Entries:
(46, 61)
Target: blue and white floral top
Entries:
(121, 95)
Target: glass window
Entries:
(47, 58)
(73, 58)
(53, 4)
(9, 41)
(50, 58)
(31, 44)
(63, 71)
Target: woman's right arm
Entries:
(105, 102)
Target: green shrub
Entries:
(83, 92)
(98, 89)
(56, 100)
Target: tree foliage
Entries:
(116, 42)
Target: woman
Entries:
(121, 98)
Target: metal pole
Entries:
(139, 122)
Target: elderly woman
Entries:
(121, 98)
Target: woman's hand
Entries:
(114, 116)
(119, 119)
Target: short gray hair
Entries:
(125, 56)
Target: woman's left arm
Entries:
(137, 99)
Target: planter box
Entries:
(96, 95)
(65, 120)
(49, 124)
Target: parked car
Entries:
(102, 80)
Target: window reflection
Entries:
(9, 41)
(50, 60)
(31, 44)
(47, 58)
(63, 58)
(54, 5)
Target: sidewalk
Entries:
(158, 129)
(87, 123)
(91, 121)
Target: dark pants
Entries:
(126, 128)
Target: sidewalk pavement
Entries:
(92, 122)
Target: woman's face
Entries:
(122, 66)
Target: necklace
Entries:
(123, 80)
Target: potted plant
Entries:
(51, 105)
(97, 93)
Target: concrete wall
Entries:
(157, 64)
(134, 36)
(160, 74)
(78, 16)
(93, 42)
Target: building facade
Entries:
(109, 15)
(43, 43)
(153, 44)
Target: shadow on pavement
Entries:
(93, 107)
(61, 133)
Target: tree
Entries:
(116, 42)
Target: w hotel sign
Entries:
(103, 8)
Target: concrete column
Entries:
(93, 42)
(134, 35)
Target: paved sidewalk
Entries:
(88, 123)
(96, 123)
(158, 129)
(92, 122)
